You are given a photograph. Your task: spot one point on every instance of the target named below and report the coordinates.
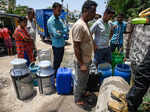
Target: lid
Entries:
(18, 61)
(19, 72)
(45, 72)
(44, 64)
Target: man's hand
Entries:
(95, 46)
(83, 68)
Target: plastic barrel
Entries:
(105, 70)
(64, 81)
(124, 71)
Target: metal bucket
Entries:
(45, 78)
(22, 79)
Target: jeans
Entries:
(58, 57)
(102, 56)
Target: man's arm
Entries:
(78, 53)
(112, 32)
(53, 31)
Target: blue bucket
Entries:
(33, 69)
(124, 71)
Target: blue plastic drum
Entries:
(105, 70)
(124, 71)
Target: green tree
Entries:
(130, 8)
(21, 10)
(3, 5)
(11, 5)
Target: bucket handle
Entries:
(31, 64)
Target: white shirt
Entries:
(101, 33)
(31, 28)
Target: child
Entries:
(7, 40)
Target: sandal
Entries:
(82, 105)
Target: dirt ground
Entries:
(39, 103)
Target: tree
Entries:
(3, 5)
(130, 8)
(20, 10)
(11, 5)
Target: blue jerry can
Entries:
(123, 71)
(64, 81)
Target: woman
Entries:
(24, 44)
(7, 40)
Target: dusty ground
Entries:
(39, 103)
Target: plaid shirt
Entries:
(22, 46)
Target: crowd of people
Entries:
(102, 39)
(107, 37)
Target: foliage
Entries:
(20, 10)
(11, 5)
(130, 8)
(3, 5)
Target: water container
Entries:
(33, 69)
(106, 71)
(22, 79)
(46, 78)
(117, 58)
(64, 81)
(123, 71)
(44, 54)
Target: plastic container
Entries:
(139, 21)
(105, 70)
(64, 82)
(33, 69)
(123, 71)
(117, 58)
(44, 54)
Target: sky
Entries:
(72, 4)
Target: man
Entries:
(140, 63)
(101, 30)
(57, 31)
(83, 47)
(119, 28)
(31, 26)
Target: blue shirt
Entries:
(57, 31)
(117, 37)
